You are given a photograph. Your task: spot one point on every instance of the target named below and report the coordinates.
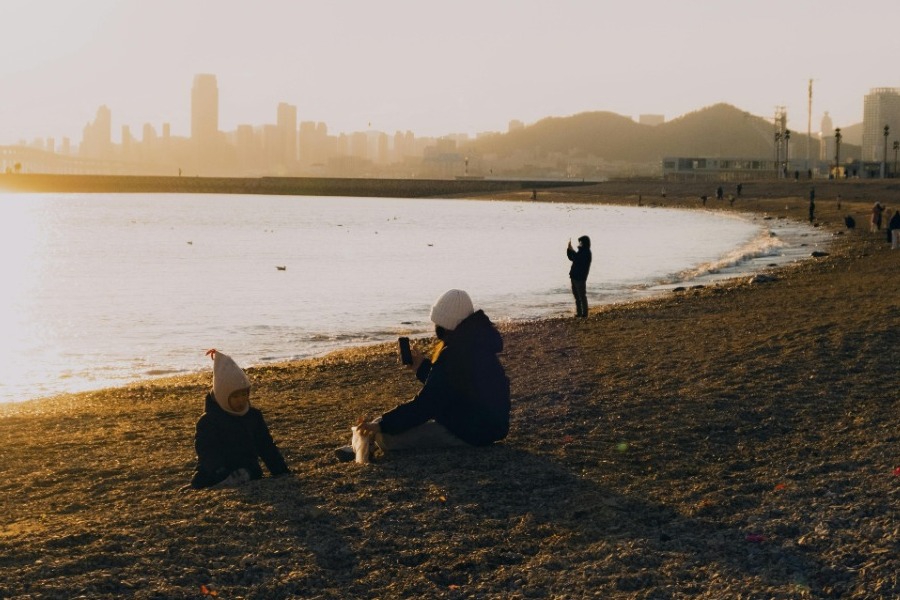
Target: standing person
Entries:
(719, 193)
(578, 273)
(893, 228)
(231, 435)
(465, 397)
(812, 204)
(740, 187)
(877, 210)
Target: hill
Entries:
(720, 130)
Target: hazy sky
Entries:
(434, 67)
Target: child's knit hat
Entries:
(451, 309)
(228, 378)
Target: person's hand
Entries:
(417, 358)
(570, 243)
(368, 428)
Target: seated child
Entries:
(231, 435)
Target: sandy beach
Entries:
(737, 440)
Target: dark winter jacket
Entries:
(893, 224)
(466, 389)
(581, 263)
(225, 443)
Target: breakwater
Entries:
(289, 186)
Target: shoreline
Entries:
(735, 439)
(738, 263)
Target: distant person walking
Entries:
(720, 193)
(578, 273)
(740, 187)
(877, 212)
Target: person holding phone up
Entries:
(578, 273)
(464, 400)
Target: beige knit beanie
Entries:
(231, 387)
(451, 309)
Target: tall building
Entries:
(205, 136)
(205, 109)
(96, 141)
(826, 139)
(287, 135)
(881, 107)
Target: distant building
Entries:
(651, 119)
(826, 139)
(96, 141)
(205, 122)
(287, 136)
(677, 168)
(204, 109)
(881, 107)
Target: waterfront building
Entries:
(881, 107)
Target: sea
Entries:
(102, 290)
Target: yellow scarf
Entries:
(437, 351)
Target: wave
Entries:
(766, 244)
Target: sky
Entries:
(434, 67)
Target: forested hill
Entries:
(720, 130)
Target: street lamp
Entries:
(896, 147)
(887, 130)
(837, 152)
(777, 154)
(787, 151)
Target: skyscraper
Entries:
(881, 107)
(287, 134)
(205, 123)
(826, 139)
(97, 139)
(204, 109)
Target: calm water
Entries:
(101, 290)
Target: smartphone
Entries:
(405, 354)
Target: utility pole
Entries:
(780, 128)
(809, 128)
(896, 148)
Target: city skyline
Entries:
(432, 69)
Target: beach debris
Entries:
(205, 591)
(281, 267)
(780, 487)
(568, 439)
(190, 243)
(818, 254)
(755, 538)
(679, 289)
(622, 446)
(897, 471)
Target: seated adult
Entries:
(465, 397)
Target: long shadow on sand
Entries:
(517, 519)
